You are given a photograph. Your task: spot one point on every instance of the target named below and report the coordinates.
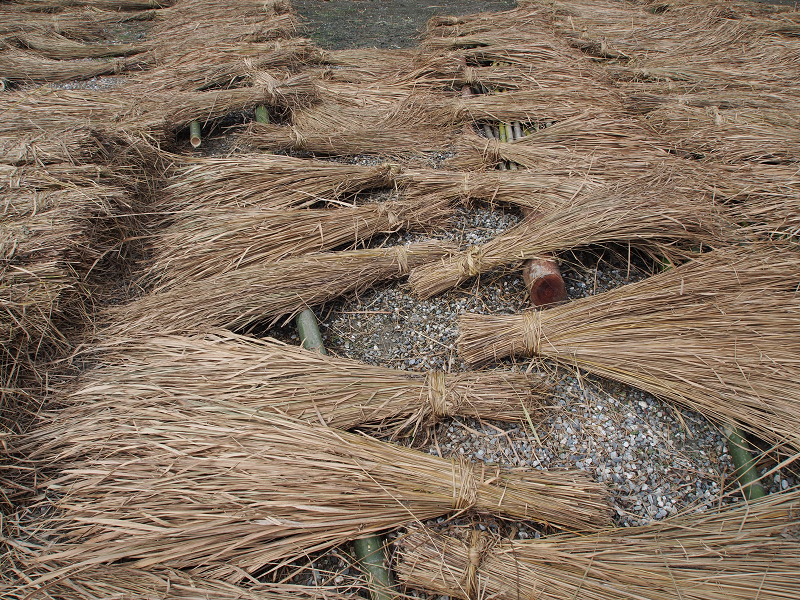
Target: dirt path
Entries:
(339, 24)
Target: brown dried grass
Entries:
(225, 492)
(640, 213)
(126, 583)
(718, 335)
(738, 553)
(49, 44)
(24, 66)
(109, 5)
(271, 377)
(46, 147)
(200, 245)
(266, 182)
(84, 24)
(262, 293)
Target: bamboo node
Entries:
(469, 265)
(532, 332)
(465, 486)
(436, 383)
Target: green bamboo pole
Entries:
(369, 550)
(308, 330)
(744, 462)
(194, 134)
(262, 116)
(372, 561)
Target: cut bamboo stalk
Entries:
(745, 464)
(262, 116)
(194, 134)
(372, 561)
(542, 276)
(308, 331)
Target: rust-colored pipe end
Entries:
(544, 282)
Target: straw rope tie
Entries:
(385, 210)
(469, 265)
(465, 187)
(478, 545)
(465, 486)
(297, 138)
(436, 382)
(532, 332)
(491, 152)
(402, 259)
(469, 75)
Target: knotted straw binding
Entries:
(479, 545)
(532, 332)
(298, 141)
(469, 75)
(385, 210)
(402, 259)
(465, 486)
(469, 265)
(491, 152)
(436, 384)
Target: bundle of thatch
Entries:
(272, 377)
(730, 136)
(718, 334)
(411, 124)
(84, 24)
(45, 147)
(210, 242)
(266, 182)
(738, 553)
(226, 492)
(110, 5)
(225, 65)
(644, 212)
(366, 66)
(25, 66)
(262, 293)
(204, 23)
(49, 44)
(605, 145)
(137, 111)
(32, 581)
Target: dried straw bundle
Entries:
(225, 492)
(20, 65)
(85, 24)
(541, 191)
(126, 583)
(209, 243)
(265, 292)
(718, 335)
(43, 148)
(57, 47)
(640, 213)
(730, 136)
(367, 66)
(547, 104)
(202, 23)
(608, 146)
(265, 182)
(110, 5)
(226, 65)
(417, 123)
(272, 377)
(52, 176)
(738, 553)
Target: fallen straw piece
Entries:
(262, 293)
(745, 551)
(272, 377)
(719, 335)
(641, 212)
(225, 491)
